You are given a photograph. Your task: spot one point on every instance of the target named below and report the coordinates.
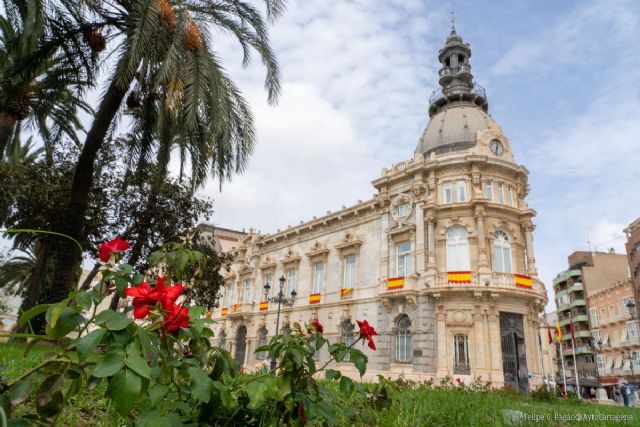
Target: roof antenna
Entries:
(453, 22)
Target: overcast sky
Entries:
(562, 79)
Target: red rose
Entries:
(367, 332)
(175, 317)
(303, 417)
(117, 245)
(144, 299)
(167, 294)
(458, 379)
(317, 326)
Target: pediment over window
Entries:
(350, 241)
(318, 249)
(291, 257)
(230, 276)
(401, 230)
(268, 263)
(245, 269)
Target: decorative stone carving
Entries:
(459, 317)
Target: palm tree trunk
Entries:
(69, 255)
(7, 125)
(87, 281)
(35, 282)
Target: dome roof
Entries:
(454, 128)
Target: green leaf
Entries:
(84, 300)
(155, 258)
(73, 388)
(88, 343)
(5, 405)
(121, 284)
(124, 390)
(201, 384)
(259, 391)
(126, 268)
(138, 365)
(182, 259)
(20, 391)
(346, 385)
(359, 360)
(49, 399)
(66, 322)
(157, 392)
(284, 386)
(154, 419)
(109, 364)
(112, 320)
(332, 374)
(30, 314)
(53, 314)
(137, 279)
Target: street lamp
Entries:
(631, 309)
(281, 300)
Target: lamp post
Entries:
(281, 300)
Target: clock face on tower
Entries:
(496, 147)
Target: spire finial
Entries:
(453, 22)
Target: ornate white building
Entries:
(440, 261)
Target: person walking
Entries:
(624, 390)
(616, 394)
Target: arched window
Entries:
(403, 339)
(501, 252)
(457, 249)
(223, 340)
(262, 340)
(346, 335)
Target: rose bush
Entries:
(159, 364)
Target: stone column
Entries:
(495, 343)
(431, 261)
(483, 261)
(478, 332)
(441, 348)
(533, 350)
(419, 238)
(528, 238)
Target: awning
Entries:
(623, 336)
(583, 382)
(618, 363)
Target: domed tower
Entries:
(459, 204)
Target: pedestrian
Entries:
(624, 390)
(593, 393)
(616, 394)
(632, 396)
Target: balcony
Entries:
(239, 310)
(577, 303)
(562, 277)
(563, 307)
(576, 287)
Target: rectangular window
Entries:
(500, 193)
(291, 281)
(510, 197)
(593, 314)
(629, 306)
(403, 210)
(632, 329)
(488, 189)
(461, 354)
(446, 192)
(229, 297)
(461, 190)
(246, 296)
(596, 335)
(318, 277)
(268, 279)
(404, 261)
(349, 275)
(600, 361)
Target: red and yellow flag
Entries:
(264, 305)
(235, 307)
(314, 298)
(224, 311)
(558, 331)
(209, 314)
(459, 276)
(395, 283)
(522, 281)
(346, 292)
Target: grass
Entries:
(87, 408)
(411, 405)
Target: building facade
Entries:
(633, 254)
(589, 273)
(549, 349)
(440, 260)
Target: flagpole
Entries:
(541, 356)
(559, 336)
(553, 374)
(573, 350)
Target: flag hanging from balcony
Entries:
(209, 314)
(459, 276)
(523, 281)
(224, 311)
(346, 292)
(235, 307)
(558, 332)
(395, 283)
(549, 337)
(264, 305)
(314, 298)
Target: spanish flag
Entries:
(558, 332)
(264, 305)
(314, 298)
(522, 281)
(224, 311)
(395, 283)
(209, 314)
(234, 307)
(345, 292)
(459, 276)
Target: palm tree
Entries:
(16, 271)
(40, 82)
(17, 152)
(165, 57)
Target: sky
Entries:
(562, 80)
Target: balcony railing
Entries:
(476, 90)
(452, 71)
